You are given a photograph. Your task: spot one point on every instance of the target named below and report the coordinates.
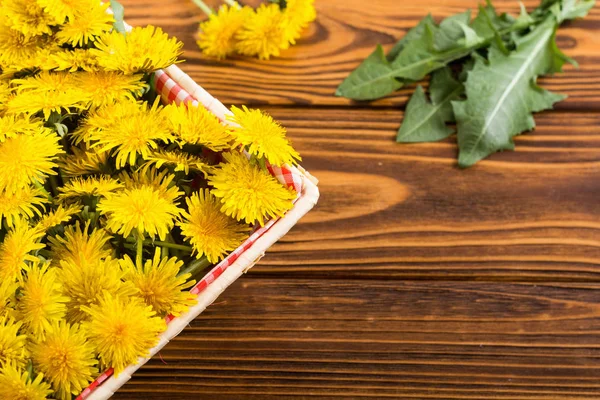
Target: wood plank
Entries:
(346, 32)
(337, 339)
(399, 211)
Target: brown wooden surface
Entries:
(411, 279)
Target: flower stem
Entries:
(232, 3)
(205, 9)
(195, 267)
(42, 189)
(175, 246)
(139, 249)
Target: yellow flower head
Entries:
(27, 17)
(210, 232)
(249, 193)
(8, 290)
(263, 33)
(57, 217)
(13, 350)
(179, 160)
(105, 88)
(79, 247)
(297, 15)
(263, 136)
(12, 125)
(15, 47)
(158, 284)
(140, 50)
(63, 9)
(5, 94)
(16, 384)
(24, 203)
(74, 60)
(147, 208)
(197, 125)
(86, 25)
(122, 329)
(85, 281)
(217, 34)
(66, 358)
(91, 186)
(83, 161)
(16, 249)
(41, 301)
(130, 128)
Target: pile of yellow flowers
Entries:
(261, 32)
(105, 195)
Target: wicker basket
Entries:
(175, 86)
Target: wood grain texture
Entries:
(285, 339)
(345, 33)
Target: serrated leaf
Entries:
(502, 95)
(119, 15)
(571, 9)
(425, 121)
(412, 34)
(374, 78)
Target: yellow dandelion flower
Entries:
(16, 248)
(122, 329)
(83, 161)
(63, 9)
(74, 60)
(297, 15)
(13, 125)
(92, 186)
(217, 34)
(146, 208)
(15, 47)
(197, 125)
(263, 33)
(57, 217)
(140, 50)
(133, 129)
(16, 384)
(248, 192)
(161, 181)
(79, 246)
(5, 94)
(158, 284)
(40, 301)
(105, 87)
(210, 232)
(8, 290)
(85, 282)
(28, 17)
(13, 350)
(263, 136)
(24, 203)
(66, 358)
(179, 160)
(25, 159)
(45, 82)
(86, 24)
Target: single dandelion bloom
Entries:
(217, 34)
(146, 208)
(262, 34)
(106, 87)
(197, 125)
(84, 280)
(74, 60)
(211, 233)
(12, 125)
(122, 329)
(58, 216)
(248, 192)
(83, 161)
(28, 17)
(25, 203)
(66, 358)
(91, 186)
(15, 47)
(13, 348)
(16, 384)
(16, 249)
(140, 50)
(179, 160)
(41, 301)
(137, 132)
(79, 246)
(298, 14)
(63, 9)
(86, 25)
(47, 102)
(159, 285)
(262, 136)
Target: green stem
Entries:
(232, 3)
(175, 246)
(139, 249)
(195, 267)
(205, 9)
(43, 190)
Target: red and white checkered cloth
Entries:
(171, 92)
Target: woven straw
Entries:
(175, 86)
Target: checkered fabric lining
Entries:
(171, 92)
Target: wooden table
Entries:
(411, 279)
